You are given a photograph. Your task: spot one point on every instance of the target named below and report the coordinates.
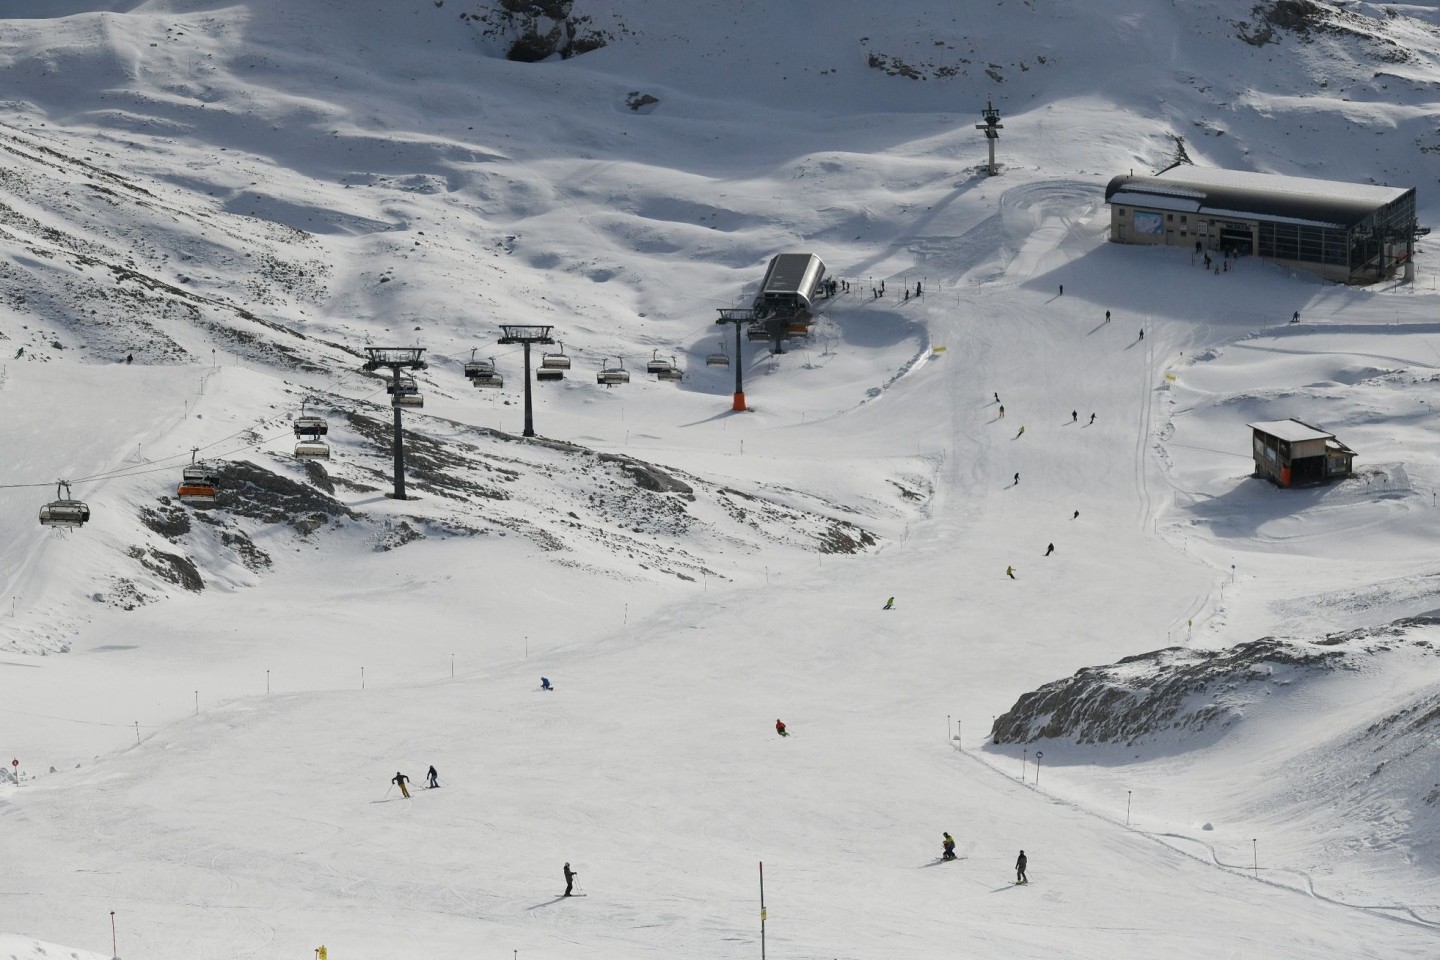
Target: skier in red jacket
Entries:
(780, 728)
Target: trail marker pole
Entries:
(114, 949)
(267, 683)
(197, 703)
(1024, 757)
(762, 910)
(362, 678)
(1255, 851)
(137, 733)
(1038, 754)
(1127, 808)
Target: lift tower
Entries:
(526, 334)
(992, 127)
(395, 359)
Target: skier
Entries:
(1017, 478)
(1074, 416)
(129, 358)
(400, 780)
(1142, 333)
(1062, 289)
(917, 288)
(1020, 434)
(433, 777)
(1092, 418)
(1107, 316)
(1020, 862)
(949, 848)
(1050, 549)
(780, 728)
(997, 396)
(570, 876)
(1077, 515)
(1002, 411)
(1010, 572)
(889, 604)
(1295, 317)
(545, 684)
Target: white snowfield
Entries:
(196, 182)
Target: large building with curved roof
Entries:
(1348, 232)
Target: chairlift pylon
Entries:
(64, 511)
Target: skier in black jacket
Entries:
(1020, 862)
(570, 876)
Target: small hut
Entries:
(1291, 453)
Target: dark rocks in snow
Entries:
(638, 101)
(1185, 690)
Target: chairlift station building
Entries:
(1346, 232)
(1292, 453)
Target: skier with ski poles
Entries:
(400, 780)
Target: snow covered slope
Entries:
(243, 195)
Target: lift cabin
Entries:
(64, 511)
(312, 450)
(612, 376)
(199, 485)
(555, 361)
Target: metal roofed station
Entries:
(1347, 232)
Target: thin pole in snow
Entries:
(1255, 851)
(947, 726)
(959, 739)
(1024, 756)
(452, 666)
(362, 678)
(137, 733)
(1127, 808)
(197, 703)
(267, 683)
(762, 910)
(114, 950)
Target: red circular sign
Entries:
(14, 763)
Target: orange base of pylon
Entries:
(739, 403)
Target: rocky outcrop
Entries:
(533, 30)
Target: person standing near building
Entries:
(1020, 863)
(400, 780)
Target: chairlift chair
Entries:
(407, 400)
(612, 376)
(555, 361)
(479, 368)
(312, 450)
(311, 426)
(757, 333)
(719, 358)
(64, 511)
(199, 484)
(544, 373)
(657, 364)
(491, 380)
(673, 375)
(405, 393)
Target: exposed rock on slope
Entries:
(1176, 689)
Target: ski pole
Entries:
(388, 791)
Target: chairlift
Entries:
(405, 393)
(673, 375)
(64, 511)
(310, 425)
(718, 359)
(555, 361)
(798, 329)
(199, 483)
(611, 376)
(757, 333)
(491, 380)
(407, 400)
(312, 450)
(544, 373)
(479, 368)
(657, 364)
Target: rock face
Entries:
(1176, 690)
(536, 29)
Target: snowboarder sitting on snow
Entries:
(400, 780)
(545, 684)
(780, 728)
(433, 777)
(1020, 862)
(949, 846)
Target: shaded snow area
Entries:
(1205, 707)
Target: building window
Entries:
(1169, 216)
(1182, 218)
